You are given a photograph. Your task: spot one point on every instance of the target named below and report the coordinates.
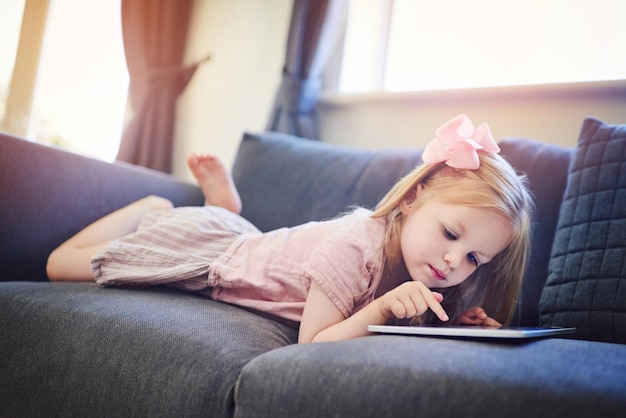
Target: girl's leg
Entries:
(215, 181)
(72, 260)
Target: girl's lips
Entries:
(439, 275)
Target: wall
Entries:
(552, 113)
(235, 90)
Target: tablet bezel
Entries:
(471, 331)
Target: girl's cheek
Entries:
(467, 271)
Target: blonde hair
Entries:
(495, 185)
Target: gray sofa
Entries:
(81, 350)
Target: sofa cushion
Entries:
(398, 376)
(586, 286)
(284, 180)
(546, 166)
(78, 349)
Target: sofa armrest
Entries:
(48, 194)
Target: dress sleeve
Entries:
(344, 265)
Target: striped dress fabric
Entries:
(171, 246)
(213, 252)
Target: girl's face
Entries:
(443, 244)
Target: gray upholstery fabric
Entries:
(546, 167)
(587, 283)
(83, 350)
(301, 180)
(415, 376)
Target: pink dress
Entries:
(212, 251)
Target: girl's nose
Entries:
(452, 259)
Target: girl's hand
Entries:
(411, 299)
(476, 316)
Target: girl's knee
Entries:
(54, 266)
(67, 263)
(154, 202)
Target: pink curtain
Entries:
(155, 34)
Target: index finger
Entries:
(434, 304)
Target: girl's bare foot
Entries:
(215, 182)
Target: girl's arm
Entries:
(323, 321)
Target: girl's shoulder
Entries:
(359, 224)
(200, 218)
(363, 216)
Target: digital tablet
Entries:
(471, 331)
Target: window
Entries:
(10, 22)
(82, 81)
(450, 44)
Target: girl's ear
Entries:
(410, 198)
(404, 207)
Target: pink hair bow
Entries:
(457, 143)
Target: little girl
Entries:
(448, 243)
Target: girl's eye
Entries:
(449, 234)
(472, 259)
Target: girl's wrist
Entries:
(384, 314)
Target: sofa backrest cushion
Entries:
(546, 166)
(586, 287)
(284, 180)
